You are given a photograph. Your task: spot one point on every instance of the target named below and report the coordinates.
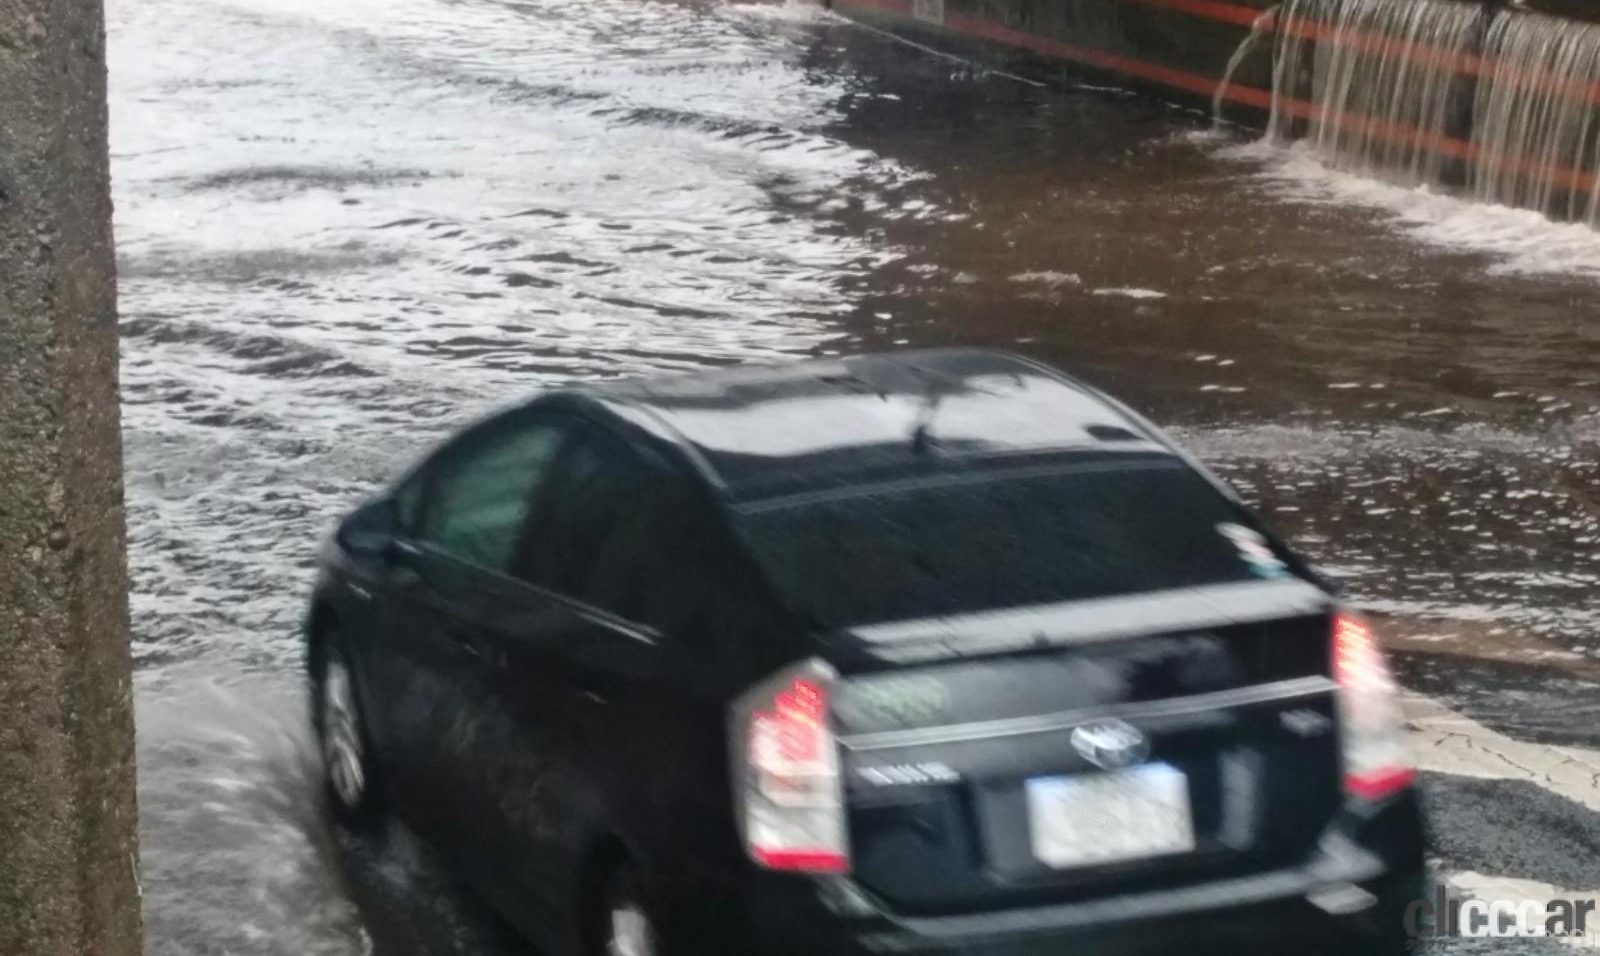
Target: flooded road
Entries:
(347, 229)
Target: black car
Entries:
(921, 652)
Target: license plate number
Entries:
(1098, 818)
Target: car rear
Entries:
(1086, 699)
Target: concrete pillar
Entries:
(68, 884)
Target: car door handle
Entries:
(402, 560)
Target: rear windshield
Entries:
(986, 542)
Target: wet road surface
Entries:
(347, 229)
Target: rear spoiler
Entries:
(1072, 623)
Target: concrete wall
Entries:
(68, 883)
(1178, 49)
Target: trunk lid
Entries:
(943, 723)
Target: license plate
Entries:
(1096, 818)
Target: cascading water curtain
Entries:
(1438, 93)
(1535, 120)
(1373, 86)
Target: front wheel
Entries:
(341, 731)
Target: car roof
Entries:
(766, 431)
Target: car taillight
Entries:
(1377, 758)
(787, 789)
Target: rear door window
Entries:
(658, 564)
(623, 531)
(988, 541)
(593, 488)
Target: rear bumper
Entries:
(1378, 854)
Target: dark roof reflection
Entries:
(767, 431)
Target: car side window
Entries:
(654, 565)
(479, 492)
(588, 487)
(621, 530)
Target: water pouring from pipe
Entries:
(1263, 25)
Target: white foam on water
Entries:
(783, 11)
(1049, 277)
(1517, 241)
(1130, 293)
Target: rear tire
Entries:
(350, 784)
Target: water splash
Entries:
(236, 855)
(1262, 25)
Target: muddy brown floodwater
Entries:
(347, 228)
